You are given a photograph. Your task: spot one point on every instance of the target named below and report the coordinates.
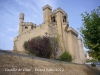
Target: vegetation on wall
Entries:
(93, 60)
(90, 32)
(42, 46)
(66, 57)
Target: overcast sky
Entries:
(10, 10)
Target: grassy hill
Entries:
(18, 65)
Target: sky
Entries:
(10, 10)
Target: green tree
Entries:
(90, 32)
(54, 42)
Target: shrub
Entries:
(66, 57)
(26, 45)
(93, 60)
(93, 65)
(41, 46)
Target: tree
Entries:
(90, 32)
(42, 46)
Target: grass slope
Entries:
(29, 66)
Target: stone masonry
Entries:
(55, 24)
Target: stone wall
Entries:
(38, 31)
(81, 51)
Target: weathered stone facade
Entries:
(55, 24)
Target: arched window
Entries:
(64, 18)
(53, 19)
(26, 27)
(32, 27)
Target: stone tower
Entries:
(24, 26)
(46, 13)
(55, 23)
(21, 20)
(62, 24)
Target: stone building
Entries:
(55, 24)
(88, 57)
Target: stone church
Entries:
(55, 23)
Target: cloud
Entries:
(33, 9)
(2, 34)
(11, 29)
(41, 3)
(11, 38)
